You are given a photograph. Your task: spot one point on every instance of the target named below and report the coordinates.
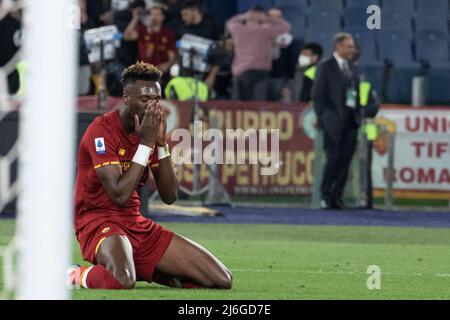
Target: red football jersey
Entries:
(154, 47)
(105, 142)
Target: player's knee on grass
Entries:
(212, 272)
(116, 254)
(224, 279)
(125, 275)
(230, 279)
(186, 259)
(126, 278)
(220, 277)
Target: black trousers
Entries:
(251, 85)
(339, 150)
(368, 168)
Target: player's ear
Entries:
(125, 96)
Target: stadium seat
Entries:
(221, 10)
(404, 6)
(355, 19)
(326, 21)
(395, 21)
(327, 5)
(245, 5)
(437, 84)
(297, 19)
(301, 4)
(396, 50)
(324, 38)
(361, 3)
(433, 7)
(430, 21)
(369, 64)
(432, 47)
(367, 45)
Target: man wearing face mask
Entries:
(307, 61)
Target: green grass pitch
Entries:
(305, 262)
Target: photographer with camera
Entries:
(194, 21)
(223, 57)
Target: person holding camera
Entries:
(196, 22)
(253, 35)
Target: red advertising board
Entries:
(295, 125)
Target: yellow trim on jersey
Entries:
(104, 164)
(98, 244)
(154, 165)
(80, 281)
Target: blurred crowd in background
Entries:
(263, 49)
(252, 49)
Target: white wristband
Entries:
(142, 155)
(163, 152)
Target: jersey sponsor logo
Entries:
(122, 152)
(100, 147)
(106, 230)
(127, 164)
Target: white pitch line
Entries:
(338, 272)
(289, 271)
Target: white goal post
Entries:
(46, 150)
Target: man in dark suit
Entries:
(336, 102)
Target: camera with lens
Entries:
(198, 53)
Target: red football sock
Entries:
(98, 277)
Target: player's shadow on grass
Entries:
(142, 285)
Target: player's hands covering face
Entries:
(161, 138)
(152, 128)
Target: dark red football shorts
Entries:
(148, 239)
